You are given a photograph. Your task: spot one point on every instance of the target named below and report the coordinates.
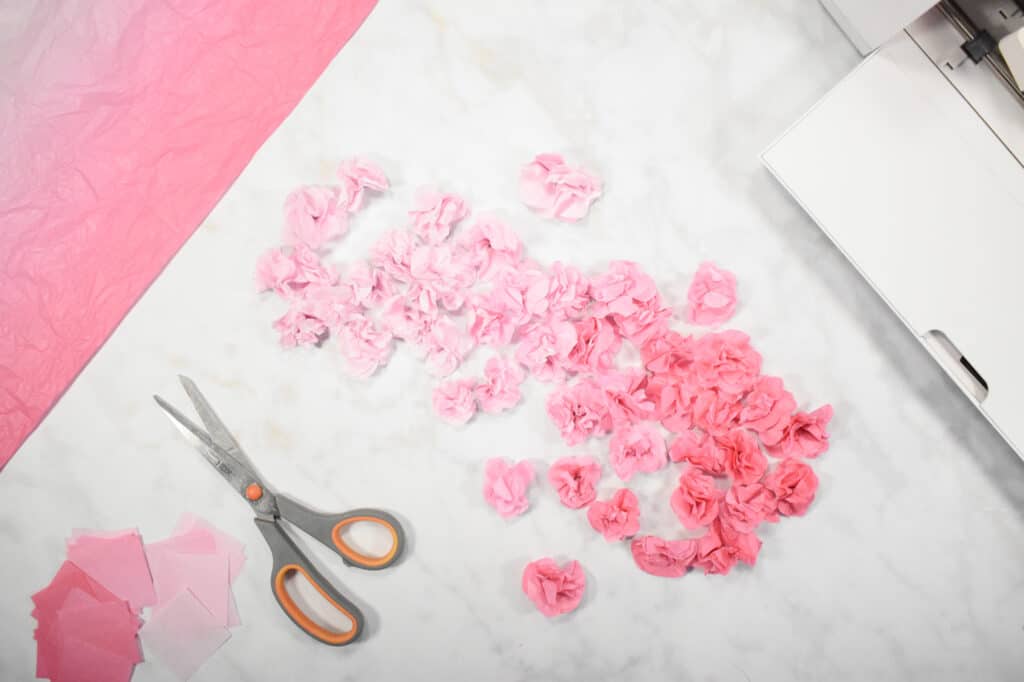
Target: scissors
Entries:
(221, 450)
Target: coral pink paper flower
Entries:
(742, 456)
(673, 399)
(554, 590)
(358, 175)
(669, 354)
(636, 448)
(548, 185)
(454, 401)
(715, 412)
(579, 411)
(696, 499)
(575, 480)
(364, 347)
(499, 389)
(435, 213)
(618, 518)
(793, 483)
(700, 451)
(505, 486)
(746, 506)
(720, 548)
(313, 216)
(544, 349)
(806, 435)
(663, 558)
(768, 410)
(712, 295)
(725, 362)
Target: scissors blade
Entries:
(214, 426)
(234, 472)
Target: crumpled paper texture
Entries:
(121, 125)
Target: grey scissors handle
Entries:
(289, 560)
(329, 528)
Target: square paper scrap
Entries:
(118, 562)
(183, 634)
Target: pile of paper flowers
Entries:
(697, 400)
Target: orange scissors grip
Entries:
(300, 618)
(358, 558)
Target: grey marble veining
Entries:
(908, 566)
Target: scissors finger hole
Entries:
(309, 603)
(367, 538)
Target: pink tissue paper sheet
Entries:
(116, 561)
(183, 634)
(123, 124)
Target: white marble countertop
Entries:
(909, 565)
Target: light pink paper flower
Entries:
(575, 480)
(370, 286)
(712, 295)
(568, 291)
(435, 213)
(544, 349)
(313, 216)
(454, 401)
(806, 435)
(746, 506)
(793, 483)
(695, 448)
(491, 246)
(505, 486)
(636, 448)
(554, 590)
(768, 410)
(628, 400)
(742, 456)
(499, 389)
(358, 175)
(579, 411)
(597, 343)
(715, 412)
(407, 322)
(364, 347)
(393, 253)
(548, 185)
(490, 323)
(618, 518)
(562, 292)
(696, 500)
(331, 304)
(673, 400)
(288, 273)
(628, 296)
(669, 354)
(663, 558)
(726, 362)
(446, 346)
(720, 548)
(298, 327)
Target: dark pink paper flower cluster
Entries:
(448, 283)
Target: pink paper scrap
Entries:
(118, 562)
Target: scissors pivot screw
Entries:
(253, 492)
